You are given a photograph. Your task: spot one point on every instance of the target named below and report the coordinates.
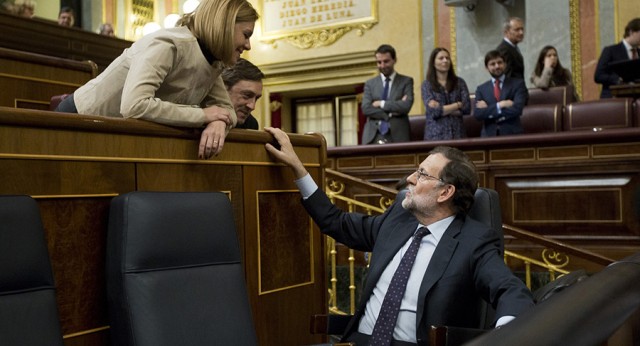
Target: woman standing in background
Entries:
(446, 98)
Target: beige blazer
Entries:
(163, 77)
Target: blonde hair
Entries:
(213, 23)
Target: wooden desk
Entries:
(626, 90)
(73, 165)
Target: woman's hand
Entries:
(215, 113)
(433, 104)
(212, 139)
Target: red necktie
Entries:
(634, 53)
(496, 89)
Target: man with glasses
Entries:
(454, 259)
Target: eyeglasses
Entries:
(422, 176)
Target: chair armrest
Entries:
(452, 336)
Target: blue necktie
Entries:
(384, 125)
(386, 322)
(385, 91)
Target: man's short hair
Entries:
(632, 26)
(507, 23)
(66, 9)
(492, 54)
(461, 173)
(386, 48)
(242, 70)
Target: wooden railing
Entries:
(555, 258)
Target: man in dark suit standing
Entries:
(513, 29)
(625, 50)
(500, 100)
(430, 262)
(244, 85)
(387, 101)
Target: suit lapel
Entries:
(438, 264)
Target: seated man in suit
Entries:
(625, 50)
(430, 262)
(244, 85)
(499, 101)
(387, 101)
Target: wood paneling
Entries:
(46, 37)
(30, 80)
(577, 187)
(73, 165)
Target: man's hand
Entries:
(286, 154)
(376, 104)
(212, 139)
(215, 113)
(505, 104)
(481, 104)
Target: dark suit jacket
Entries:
(250, 124)
(513, 58)
(402, 85)
(508, 121)
(604, 74)
(466, 264)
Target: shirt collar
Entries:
(392, 77)
(627, 46)
(439, 227)
(501, 79)
(509, 42)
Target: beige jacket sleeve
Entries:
(543, 80)
(148, 70)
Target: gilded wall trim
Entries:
(302, 22)
(576, 54)
(452, 34)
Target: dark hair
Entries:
(461, 173)
(385, 48)
(242, 70)
(432, 76)
(632, 26)
(66, 9)
(560, 74)
(492, 54)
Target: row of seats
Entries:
(174, 273)
(549, 113)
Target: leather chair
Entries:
(416, 127)
(562, 95)
(486, 209)
(174, 271)
(542, 118)
(598, 115)
(28, 309)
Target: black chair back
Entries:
(174, 271)
(28, 309)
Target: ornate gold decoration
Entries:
(335, 187)
(275, 105)
(315, 24)
(554, 259)
(576, 55)
(452, 33)
(319, 38)
(386, 202)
